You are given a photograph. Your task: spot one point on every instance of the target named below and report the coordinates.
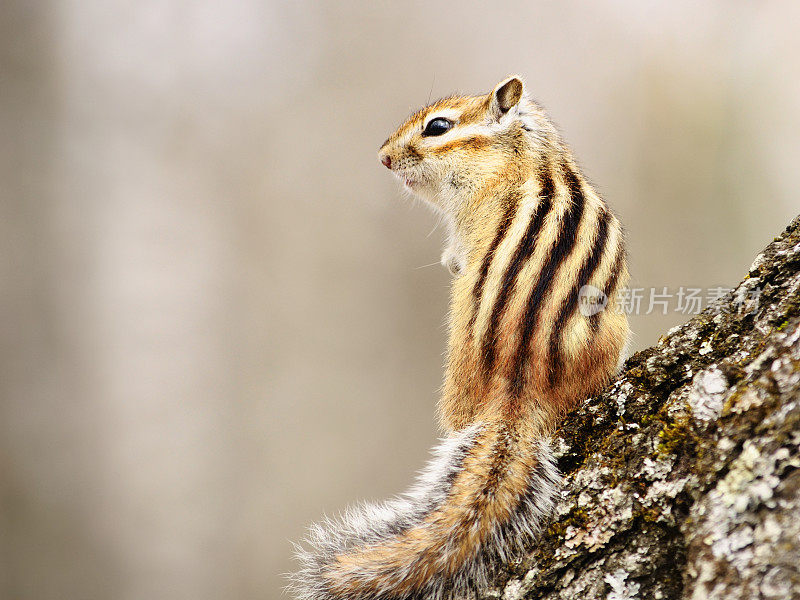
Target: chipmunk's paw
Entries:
(453, 261)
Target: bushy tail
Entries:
(480, 501)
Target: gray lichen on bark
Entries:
(682, 480)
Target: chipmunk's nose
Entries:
(386, 160)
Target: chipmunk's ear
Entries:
(506, 95)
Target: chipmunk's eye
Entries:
(437, 126)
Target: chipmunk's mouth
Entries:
(408, 181)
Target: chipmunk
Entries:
(526, 235)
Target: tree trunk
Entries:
(682, 480)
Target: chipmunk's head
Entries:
(448, 149)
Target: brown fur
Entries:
(492, 480)
(508, 167)
(526, 233)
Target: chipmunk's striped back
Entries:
(523, 330)
(536, 254)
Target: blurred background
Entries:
(218, 315)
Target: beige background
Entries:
(217, 318)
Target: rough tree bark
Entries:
(683, 479)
